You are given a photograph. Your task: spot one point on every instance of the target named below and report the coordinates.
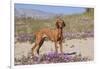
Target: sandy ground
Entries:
(85, 47)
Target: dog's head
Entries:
(60, 23)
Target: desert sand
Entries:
(84, 46)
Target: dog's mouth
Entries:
(60, 26)
(44, 36)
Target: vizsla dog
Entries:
(55, 35)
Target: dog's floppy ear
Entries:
(57, 24)
(64, 24)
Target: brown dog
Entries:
(55, 35)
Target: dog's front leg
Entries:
(56, 48)
(61, 48)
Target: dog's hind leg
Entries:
(33, 49)
(40, 44)
(37, 42)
